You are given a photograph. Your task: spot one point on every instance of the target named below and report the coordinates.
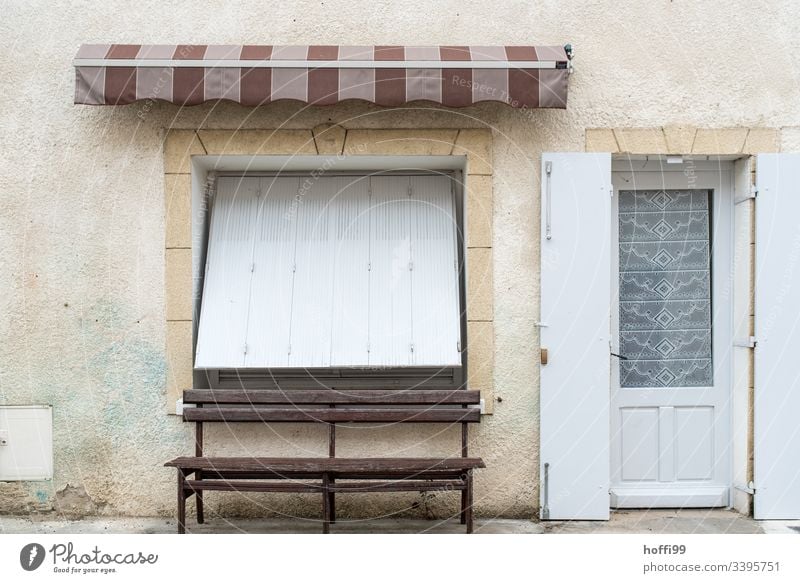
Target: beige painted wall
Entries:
(82, 300)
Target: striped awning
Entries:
(454, 76)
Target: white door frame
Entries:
(718, 177)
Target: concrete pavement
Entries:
(689, 521)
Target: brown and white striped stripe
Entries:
(454, 76)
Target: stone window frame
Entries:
(475, 144)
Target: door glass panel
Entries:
(664, 288)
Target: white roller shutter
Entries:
(336, 271)
(574, 329)
(777, 329)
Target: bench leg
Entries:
(332, 504)
(468, 507)
(462, 515)
(198, 495)
(181, 503)
(326, 505)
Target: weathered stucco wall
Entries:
(82, 302)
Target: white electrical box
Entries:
(26, 442)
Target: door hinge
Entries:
(458, 346)
(546, 492)
(244, 349)
(749, 342)
(252, 267)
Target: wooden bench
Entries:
(331, 475)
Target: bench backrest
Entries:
(331, 406)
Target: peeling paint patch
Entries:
(75, 502)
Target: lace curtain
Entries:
(665, 288)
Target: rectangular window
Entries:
(331, 272)
(665, 288)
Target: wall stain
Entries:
(75, 502)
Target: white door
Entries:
(777, 329)
(575, 300)
(671, 321)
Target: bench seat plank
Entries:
(326, 465)
(333, 396)
(232, 486)
(351, 487)
(263, 474)
(329, 415)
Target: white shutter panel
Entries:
(574, 328)
(777, 331)
(312, 299)
(350, 260)
(269, 315)
(390, 335)
(434, 277)
(222, 331)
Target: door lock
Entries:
(543, 356)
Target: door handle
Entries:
(619, 356)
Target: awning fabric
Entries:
(453, 76)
